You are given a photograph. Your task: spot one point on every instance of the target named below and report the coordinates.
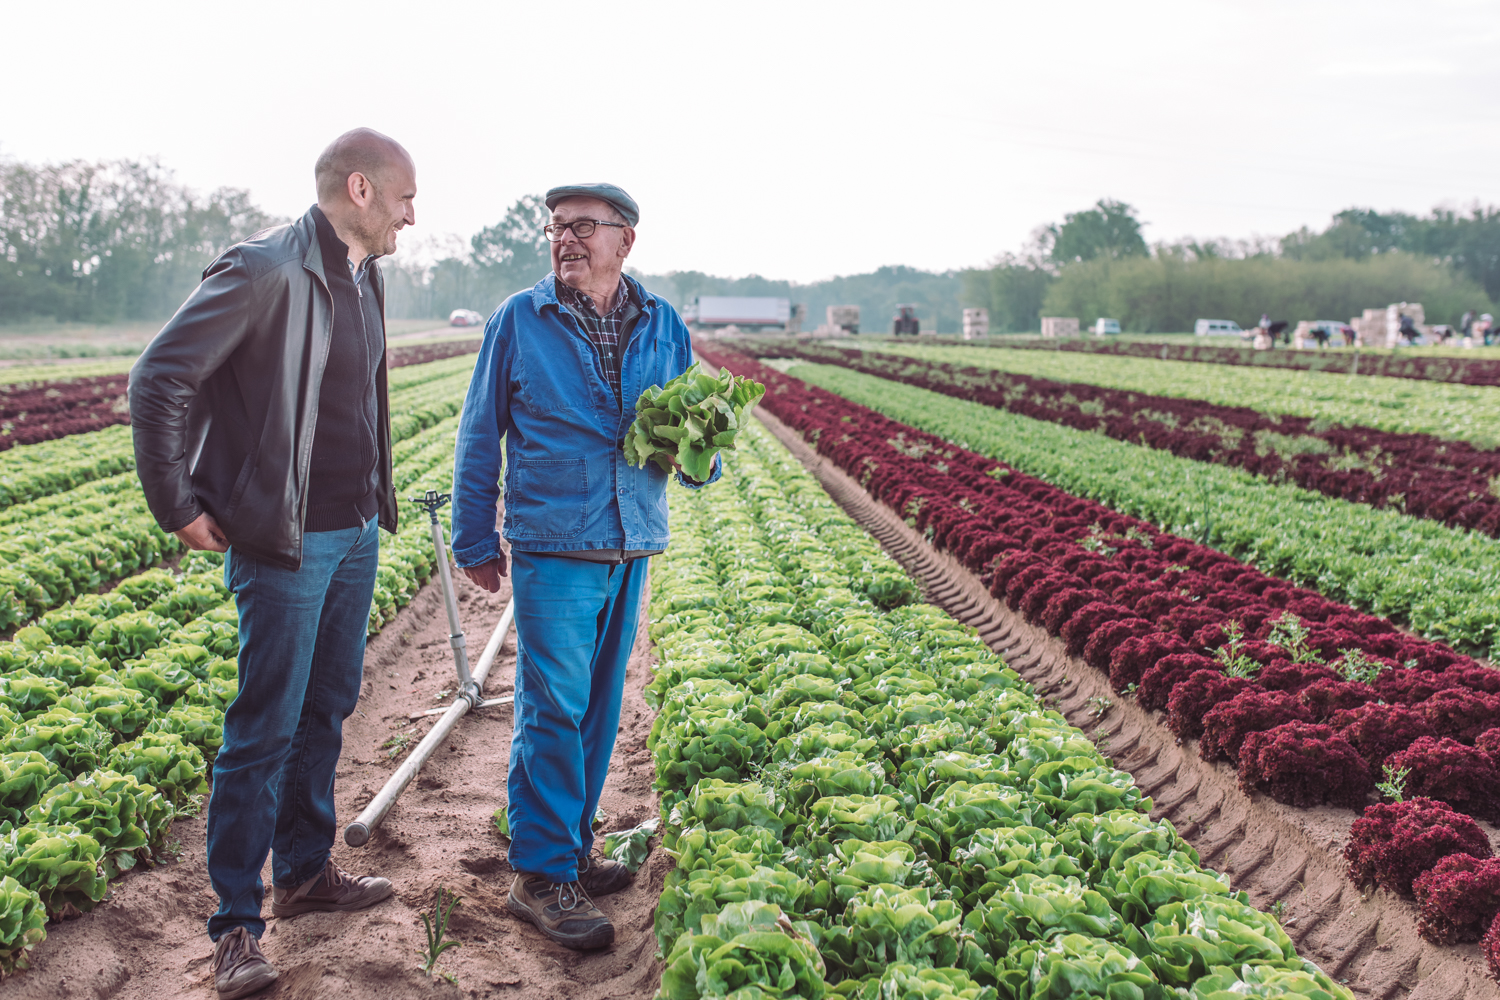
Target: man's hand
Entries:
(487, 574)
(203, 533)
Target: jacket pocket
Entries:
(237, 494)
(548, 498)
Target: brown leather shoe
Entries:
(561, 910)
(600, 876)
(239, 967)
(332, 890)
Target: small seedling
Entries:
(1278, 910)
(1394, 785)
(1233, 662)
(1357, 666)
(1098, 705)
(437, 930)
(396, 745)
(1131, 689)
(1291, 634)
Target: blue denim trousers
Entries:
(575, 626)
(302, 651)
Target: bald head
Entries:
(366, 185)
(358, 151)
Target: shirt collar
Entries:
(581, 300)
(337, 248)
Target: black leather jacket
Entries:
(224, 400)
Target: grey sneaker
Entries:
(600, 876)
(239, 967)
(561, 910)
(332, 890)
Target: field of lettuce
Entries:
(864, 801)
(861, 798)
(121, 656)
(1332, 653)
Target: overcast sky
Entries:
(794, 140)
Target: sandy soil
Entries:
(147, 942)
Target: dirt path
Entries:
(147, 942)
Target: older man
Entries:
(262, 428)
(557, 378)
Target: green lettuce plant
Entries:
(689, 420)
(23, 920)
(166, 761)
(60, 863)
(127, 818)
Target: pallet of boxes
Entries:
(1059, 326)
(976, 323)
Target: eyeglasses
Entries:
(582, 228)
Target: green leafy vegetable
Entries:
(687, 421)
(630, 847)
(59, 863)
(165, 761)
(127, 818)
(23, 920)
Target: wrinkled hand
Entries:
(487, 574)
(203, 534)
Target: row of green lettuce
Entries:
(1443, 583)
(73, 541)
(1444, 409)
(864, 801)
(32, 471)
(112, 710)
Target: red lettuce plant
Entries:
(1458, 898)
(1491, 947)
(1133, 657)
(1157, 683)
(1191, 699)
(1324, 697)
(1226, 726)
(1394, 842)
(1377, 731)
(1302, 764)
(1444, 769)
(1462, 714)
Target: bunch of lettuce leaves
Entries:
(687, 421)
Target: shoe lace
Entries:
(333, 875)
(570, 895)
(231, 948)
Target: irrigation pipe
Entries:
(357, 833)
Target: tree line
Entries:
(106, 241)
(123, 240)
(1097, 263)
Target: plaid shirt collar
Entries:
(581, 304)
(603, 331)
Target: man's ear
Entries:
(629, 241)
(361, 189)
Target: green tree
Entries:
(1110, 229)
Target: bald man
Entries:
(262, 430)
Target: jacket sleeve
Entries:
(477, 458)
(166, 378)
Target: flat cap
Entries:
(611, 193)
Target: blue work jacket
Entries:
(538, 385)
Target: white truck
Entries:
(711, 311)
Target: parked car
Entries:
(465, 317)
(1104, 327)
(1217, 328)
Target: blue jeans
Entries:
(302, 651)
(575, 626)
